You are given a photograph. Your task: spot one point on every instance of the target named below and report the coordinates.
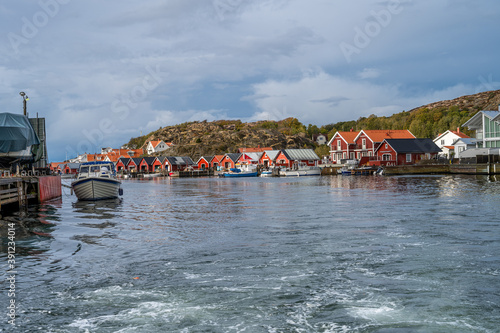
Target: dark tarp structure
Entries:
(16, 134)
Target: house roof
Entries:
(124, 160)
(381, 135)
(135, 160)
(467, 141)
(161, 159)
(272, 154)
(457, 133)
(251, 156)
(253, 150)
(218, 158)
(208, 159)
(180, 160)
(233, 156)
(300, 154)
(346, 136)
(72, 165)
(155, 143)
(477, 120)
(412, 145)
(149, 159)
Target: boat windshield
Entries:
(84, 169)
(95, 168)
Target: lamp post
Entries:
(25, 98)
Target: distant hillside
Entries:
(488, 100)
(196, 138)
(226, 136)
(429, 120)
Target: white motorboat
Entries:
(266, 173)
(96, 181)
(301, 170)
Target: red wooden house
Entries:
(404, 151)
(71, 168)
(367, 141)
(229, 160)
(215, 163)
(289, 157)
(178, 163)
(250, 158)
(268, 158)
(158, 163)
(133, 164)
(204, 162)
(342, 146)
(146, 164)
(122, 164)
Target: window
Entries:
(339, 144)
(386, 146)
(408, 157)
(386, 157)
(363, 143)
(442, 142)
(352, 156)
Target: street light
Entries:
(25, 98)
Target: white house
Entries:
(463, 144)
(157, 146)
(320, 139)
(445, 141)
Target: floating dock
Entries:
(17, 192)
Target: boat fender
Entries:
(120, 191)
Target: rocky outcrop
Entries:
(200, 138)
(488, 100)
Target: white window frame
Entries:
(408, 158)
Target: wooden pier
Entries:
(17, 192)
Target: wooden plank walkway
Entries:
(18, 190)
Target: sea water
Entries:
(312, 254)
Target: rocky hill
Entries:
(488, 100)
(200, 138)
(226, 136)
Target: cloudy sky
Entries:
(101, 72)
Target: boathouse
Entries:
(288, 157)
(146, 164)
(395, 152)
(268, 158)
(122, 164)
(204, 162)
(229, 160)
(178, 163)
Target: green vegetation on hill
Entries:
(423, 123)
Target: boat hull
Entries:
(301, 173)
(240, 174)
(96, 188)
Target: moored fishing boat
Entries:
(241, 171)
(96, 181)
(266, 173)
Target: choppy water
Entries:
(320, 254)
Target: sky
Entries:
(102, 72)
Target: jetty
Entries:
(17, 192)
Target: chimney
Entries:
(458, 129)
(352, 129)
